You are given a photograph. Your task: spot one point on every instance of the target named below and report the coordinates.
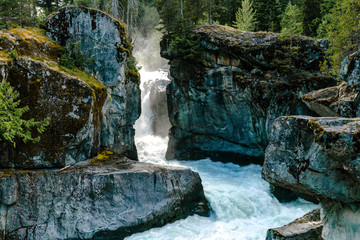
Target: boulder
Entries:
(307, 227)
(316, 156)
(103, 39)
(224, 107)
(29, 61)
(73, 106)
(107, 197)
(339, 101)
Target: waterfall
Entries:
(243, 207)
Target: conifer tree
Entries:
(245, 17)
(12, 126)
(343, 31)
(292, 21)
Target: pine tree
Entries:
(8, 11)
(245, 17)
(343, 31)
(292, 21)
(12, 126)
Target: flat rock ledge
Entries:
(96, 199)
(308, 227)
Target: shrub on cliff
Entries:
(12, 126)
(74, 57)
(185, 45)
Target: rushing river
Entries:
(243, 207)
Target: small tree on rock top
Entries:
(245, 17)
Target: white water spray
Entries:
(243, 206)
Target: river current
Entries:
(243, 207)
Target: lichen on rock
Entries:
(104, 39)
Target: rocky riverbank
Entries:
(320, 156)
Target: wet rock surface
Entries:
(307, 227)
(224, 107)
(96, 199)
(158, 104)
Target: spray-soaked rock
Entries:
(224, 107)
(96, 199)
(158, 104)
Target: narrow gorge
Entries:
(229, 134)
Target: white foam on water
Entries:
(243, 207)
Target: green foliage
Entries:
(186, 47)
(83, 3)
(131, 64)
(12, 126)
(13, 54)
(343, 31)
(245, 17)
(74, 57)
(292, 21)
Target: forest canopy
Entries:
(336, 20)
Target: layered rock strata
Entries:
(224, 107)
(96, 199)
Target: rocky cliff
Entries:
(103, 39)
(73, 101)
(320, 156)
(60, 187)
(224, 107)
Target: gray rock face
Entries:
(342, 100)
(350, 69)
(308, 227)
(339, 101)
(224, 108)
(341, 221)
(158, 105)
(316, 156)
(96, 199)
(103, 39)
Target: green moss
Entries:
(83, 75)
(103, 156)
(31, 42)
(4, 56)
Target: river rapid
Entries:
(243, 207)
